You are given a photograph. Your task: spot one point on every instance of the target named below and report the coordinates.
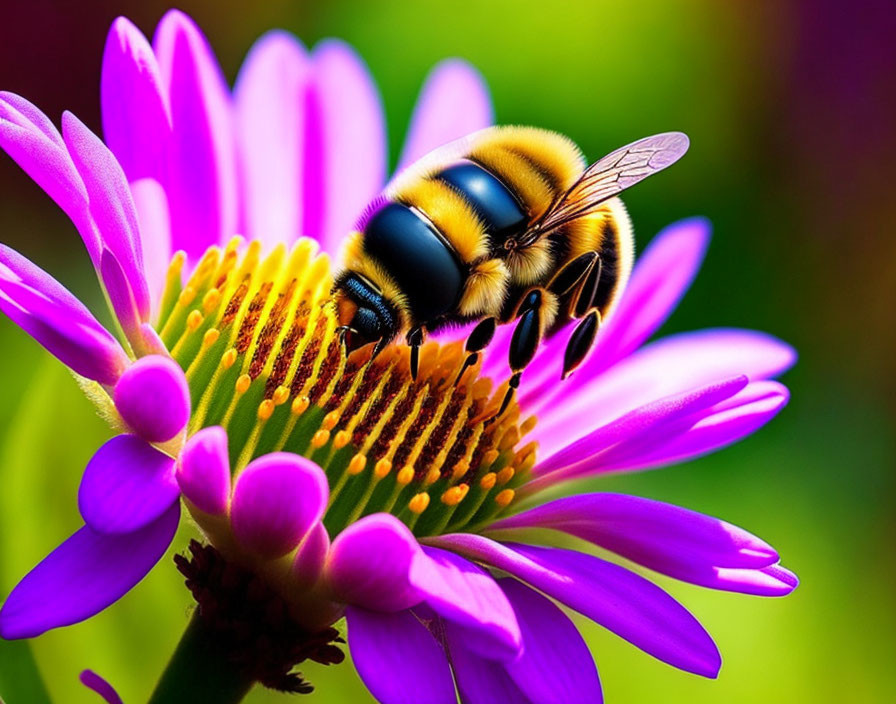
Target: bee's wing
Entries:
(610, 176)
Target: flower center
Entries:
(259, 344)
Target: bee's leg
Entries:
(415, 339)
(572, 274)
(524, 343)
(582, 338)
(580, 342)
(477, 341)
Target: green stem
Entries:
(199, 672)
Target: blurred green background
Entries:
(791, 109)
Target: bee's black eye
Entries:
(367, 325)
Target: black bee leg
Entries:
(572, 274)
(580, 342)
(523, 344)
(477, 341)
(583, 301)
(415, 339)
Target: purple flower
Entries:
(352, 489)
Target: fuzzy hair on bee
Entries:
(507, 223)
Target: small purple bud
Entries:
(203, 470)
(277, 499)
(153, 398)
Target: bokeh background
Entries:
(791, 108)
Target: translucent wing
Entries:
(609, 177)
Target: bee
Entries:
(506, 224)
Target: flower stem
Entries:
(199, 672)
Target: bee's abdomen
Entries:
(499, 211)
(410, 250)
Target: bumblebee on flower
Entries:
(353, 488)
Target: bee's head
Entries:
(363, 312)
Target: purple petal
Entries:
(556, 666)
(311, 557)
(118, 288)
(111, 204)
(93, 681)
(479, 680)
(136, 118)
(270, 98)
(96, 570)
(663, 274)
(345, 158)
(127, 484)
(155, 234)
(201, 184)
(660, 536)
(44, 309)
(398, 658)
(369, 564)
(34, 144)
(277, 499)
(772, 580)
(460, 591)
(670, 366)
(581, 457)
(726, 423)
(203, 470)
(153, 398)
(453, 103)
(616, 598)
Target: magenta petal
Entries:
(556, 666)
(155, 234)
(93, 681)
(126, 485)
(370, 561)
(620, 600)
(96, 570)
(772, 580)
(311, 557)
(460, 591)
(203, 470)
(136, 119)
(153, 398)
(345, 159)
(277, 499)
(44, 309)
(201, 184)
(660, 278)
(660, 536)
(581, 458)
(398, 658)
(724, 424)
(270, 98)
(111, 205)
(480, 680)
(453, 103)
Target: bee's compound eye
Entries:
(367, 324)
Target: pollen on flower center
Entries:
(257, 339)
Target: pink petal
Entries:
(153, 398)
(126, 485)
(111, 205)
(556, 666)
(345, 158)
(136, 117)
(201, 183)
(619, 600)
(96, 569)
(466, 594)
(203, 470)
(398, 658)
(44, 309)
(270, 99)
(277, 499)
(453, 103)
(369, 564)
(155, 234)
